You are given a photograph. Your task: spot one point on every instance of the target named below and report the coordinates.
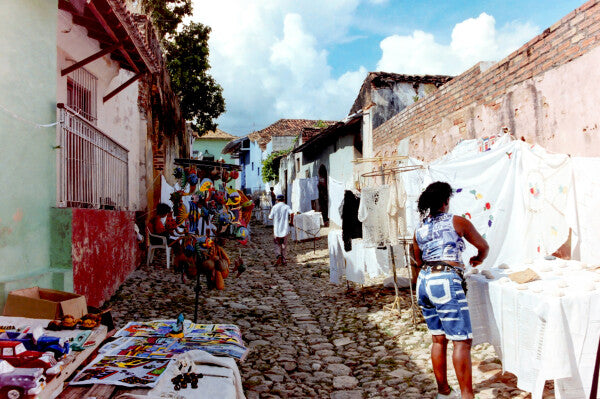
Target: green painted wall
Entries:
(61, 238)
(27, 157)
(214, 147)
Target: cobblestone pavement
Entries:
(309, 338)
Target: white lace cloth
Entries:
(541, 330)
(373, 213)
(307, 225)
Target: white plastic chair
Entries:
(152, 247)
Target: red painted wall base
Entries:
(105, 251)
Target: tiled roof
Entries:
(217, 135)
(284, 127)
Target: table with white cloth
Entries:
(355, 265)
(307, 225)
(546, 329)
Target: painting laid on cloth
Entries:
(156, 328)
(122, 370)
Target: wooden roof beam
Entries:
(112, 34)
(121, 88)
(91, 58)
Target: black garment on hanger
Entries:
(351, 226)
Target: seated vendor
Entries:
(162, 224)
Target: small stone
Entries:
(289, 366)
(344, 382)
(347, 395)
(342, 341)
(316, 366)
(339, 369)
(401, 373)
(238, 306)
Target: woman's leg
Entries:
(438, 360)
(461, 358)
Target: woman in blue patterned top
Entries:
(438, 245)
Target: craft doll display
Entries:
(208, 212)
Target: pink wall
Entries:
(545, 92)
(105, 252)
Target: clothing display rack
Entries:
(386, 174)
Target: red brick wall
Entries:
(571, 37)
(104, 250)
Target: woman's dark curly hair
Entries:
(433, 198)
(162, 209)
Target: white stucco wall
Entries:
(119, 118)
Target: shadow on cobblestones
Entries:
(308, 338)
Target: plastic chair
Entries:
(152, 247)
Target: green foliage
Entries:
(187, 61)
(269, 172)
(320, 124)
(200, 96)
(167, 14)
(415, 98)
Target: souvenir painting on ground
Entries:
(122, 370)
(156, 328)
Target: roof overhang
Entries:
(206, 164)
(331, 132)
(118, 33)
(234, 145)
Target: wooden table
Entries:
(73, 360)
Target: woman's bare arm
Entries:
(465, 229)
(417, 252)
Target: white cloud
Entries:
(271, 60)
(473, 40)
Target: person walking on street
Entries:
(273, 197)
(280, 213)
(438, 245)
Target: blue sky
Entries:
(307, 58)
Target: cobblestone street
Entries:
(309, 338)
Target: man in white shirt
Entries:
(280, 213)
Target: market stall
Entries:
(161, 357)
(546, 327)
(528, 204)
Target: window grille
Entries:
(81, 93)
(92, 169)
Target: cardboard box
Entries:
(43, 303)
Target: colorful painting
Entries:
(217, 339)
(156, 328)
(122, 370)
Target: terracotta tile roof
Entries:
(284, 127)
(217, 135)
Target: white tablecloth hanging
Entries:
(307, 225)
(358, 263)
(543, 330)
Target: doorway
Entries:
(323, 193)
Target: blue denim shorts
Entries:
(444, 304)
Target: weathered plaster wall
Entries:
(119, 118)
(214, 147)
(545, 92)
(281, 143)
(104, 252)
(337, 158)
(391, 100)
(27, 97)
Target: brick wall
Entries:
(528, 82)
